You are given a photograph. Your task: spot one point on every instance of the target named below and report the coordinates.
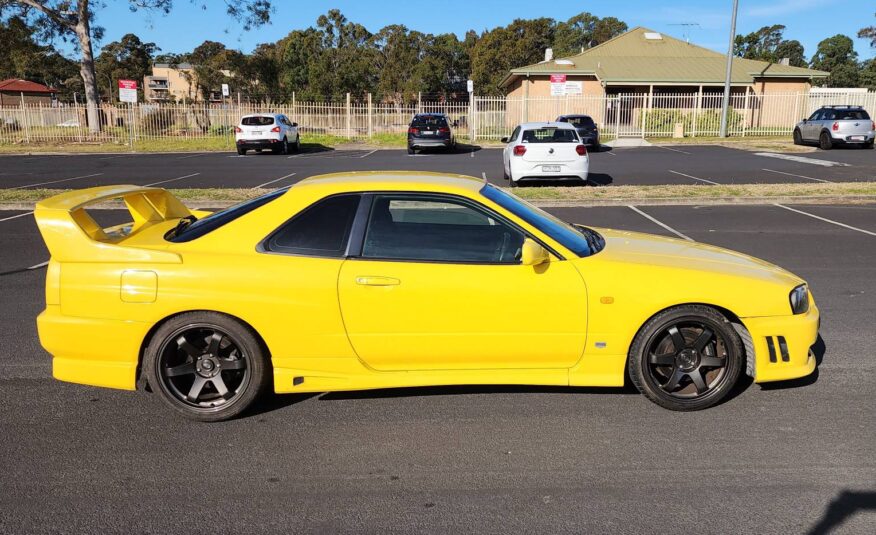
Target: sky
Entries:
(808, 21)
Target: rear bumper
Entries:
(419, 143)
(847, 138)
(534, 171)
(89, 351)
(258, 143)
(777, 361)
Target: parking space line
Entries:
(172, 179)
(15, 216)
(798, 176)
(193, 155)
(56, 181)
(826, 220)
(369, 154)
(610, 153)
(802, 159)
(113, 157)
(695, 178)
(272, 181)
(662, 224)
(670, 148)
(41, 264)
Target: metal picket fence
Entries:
(483, 118)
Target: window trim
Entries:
(262, 245)
(363, 217)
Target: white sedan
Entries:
(544, 152)
(266, 131)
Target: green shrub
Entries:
(157, 121)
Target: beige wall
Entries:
(540, 85)
(789, 85)
(178, 86)
(542, 107)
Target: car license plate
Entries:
(856, 138)
(428, 133)
(550, 168)
(255, 132)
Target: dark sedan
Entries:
(586, 128)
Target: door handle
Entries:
(377, 281)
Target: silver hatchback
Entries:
(832, 125)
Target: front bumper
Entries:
(90, 351)
(783, 345)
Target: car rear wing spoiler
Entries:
(72, 235)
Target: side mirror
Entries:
(533, 254)
(295, 124)
(504, 140)
(804, 120)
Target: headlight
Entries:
(799, 299)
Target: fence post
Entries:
(419, 102)
(473, 110)
(745, 115)
(370, 127)
(349, 131)
(25, 121)
(293, 107)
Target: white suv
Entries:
(272, 131)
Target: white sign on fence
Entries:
(470, 85)
(226, 91)
(558, 85)
(574, 88)
(128, 91)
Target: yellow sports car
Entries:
(388, 279)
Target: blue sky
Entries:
(808, 21)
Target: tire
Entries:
(869, 144)
(798, 138)
(297, 146)
(698, 375)
(596, 147)
(824, 141)
(511, 182)
(241, 152)
(411, 150)
(505, 174)
(258, 151)
(284, 148)
(203, 377)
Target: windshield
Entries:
(427, 121)
(257, 120)
(581, 122)
(550, 135)
(580, 240)
(196, 229)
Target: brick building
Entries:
(14, 92)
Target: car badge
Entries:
(550, 151)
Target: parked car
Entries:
(394, 279)
(837, 125)
(69, 123)
(272, 131)
(430, 130)
(544, 152)
(586, 127)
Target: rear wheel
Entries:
(825, 142)
(206, 366)
(411, 150)
(241, 152)
(869, 144)
(798, 138)
(686, 358)
(284, 147)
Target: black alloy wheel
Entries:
(207, 366)
(825, 142)
(686, 358)
(798, 138)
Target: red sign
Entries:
(558, 78)
(127, 84)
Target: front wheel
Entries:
(798, 138)
(825, 142)
(297, 147)
(686, 358)
(206, 366)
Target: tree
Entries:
(397, 54)
(837, 56)
(792, 50)
(22, 57)
(769, 44)
(499, 50)
(127, 58)
(868, 33)
(72, 19)
(583, 31)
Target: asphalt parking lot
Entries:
(680, 164)
(789, 458)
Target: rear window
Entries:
(424, 121)
(221, 218)
(852, 115)
(257, 120)
(580, 122)
(550, 135)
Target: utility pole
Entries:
(725, 105)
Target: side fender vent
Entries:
(772, 342)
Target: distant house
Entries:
(178, 83)
(14, 92)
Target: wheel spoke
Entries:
(219, 383)
(187, 346)
(677, 338)
(673, 381)
(183, 369)
(697, 377)
(232, 364)
(667, 359)
(197, 386)
(712, 362)
(215, 340)
(703, 339)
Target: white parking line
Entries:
(369, 154)
(664, 225)
(801, 159)
(56, 181)
(193, 155)
(37, 266)
(670, 148)
(172, 179)
(798, 176)
(15, 216)
(113, 157)
(826, 220)
(272, 181)
(695, 178)
(610, 153)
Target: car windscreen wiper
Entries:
(181, 225)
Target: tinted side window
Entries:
(322, 229)
(434, 228)
(515, 133)
(429, 121)
(852, 115)
(815, 116)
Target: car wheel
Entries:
(595, 147)
(686, 358)
(869, 144)
(284, 147)
(825, 142)
(298, 144)
(258, 151)
(511, 181)
(206, 366)
(798, 138)
(241, 152)
(411, 150)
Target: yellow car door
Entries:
(438, 285)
